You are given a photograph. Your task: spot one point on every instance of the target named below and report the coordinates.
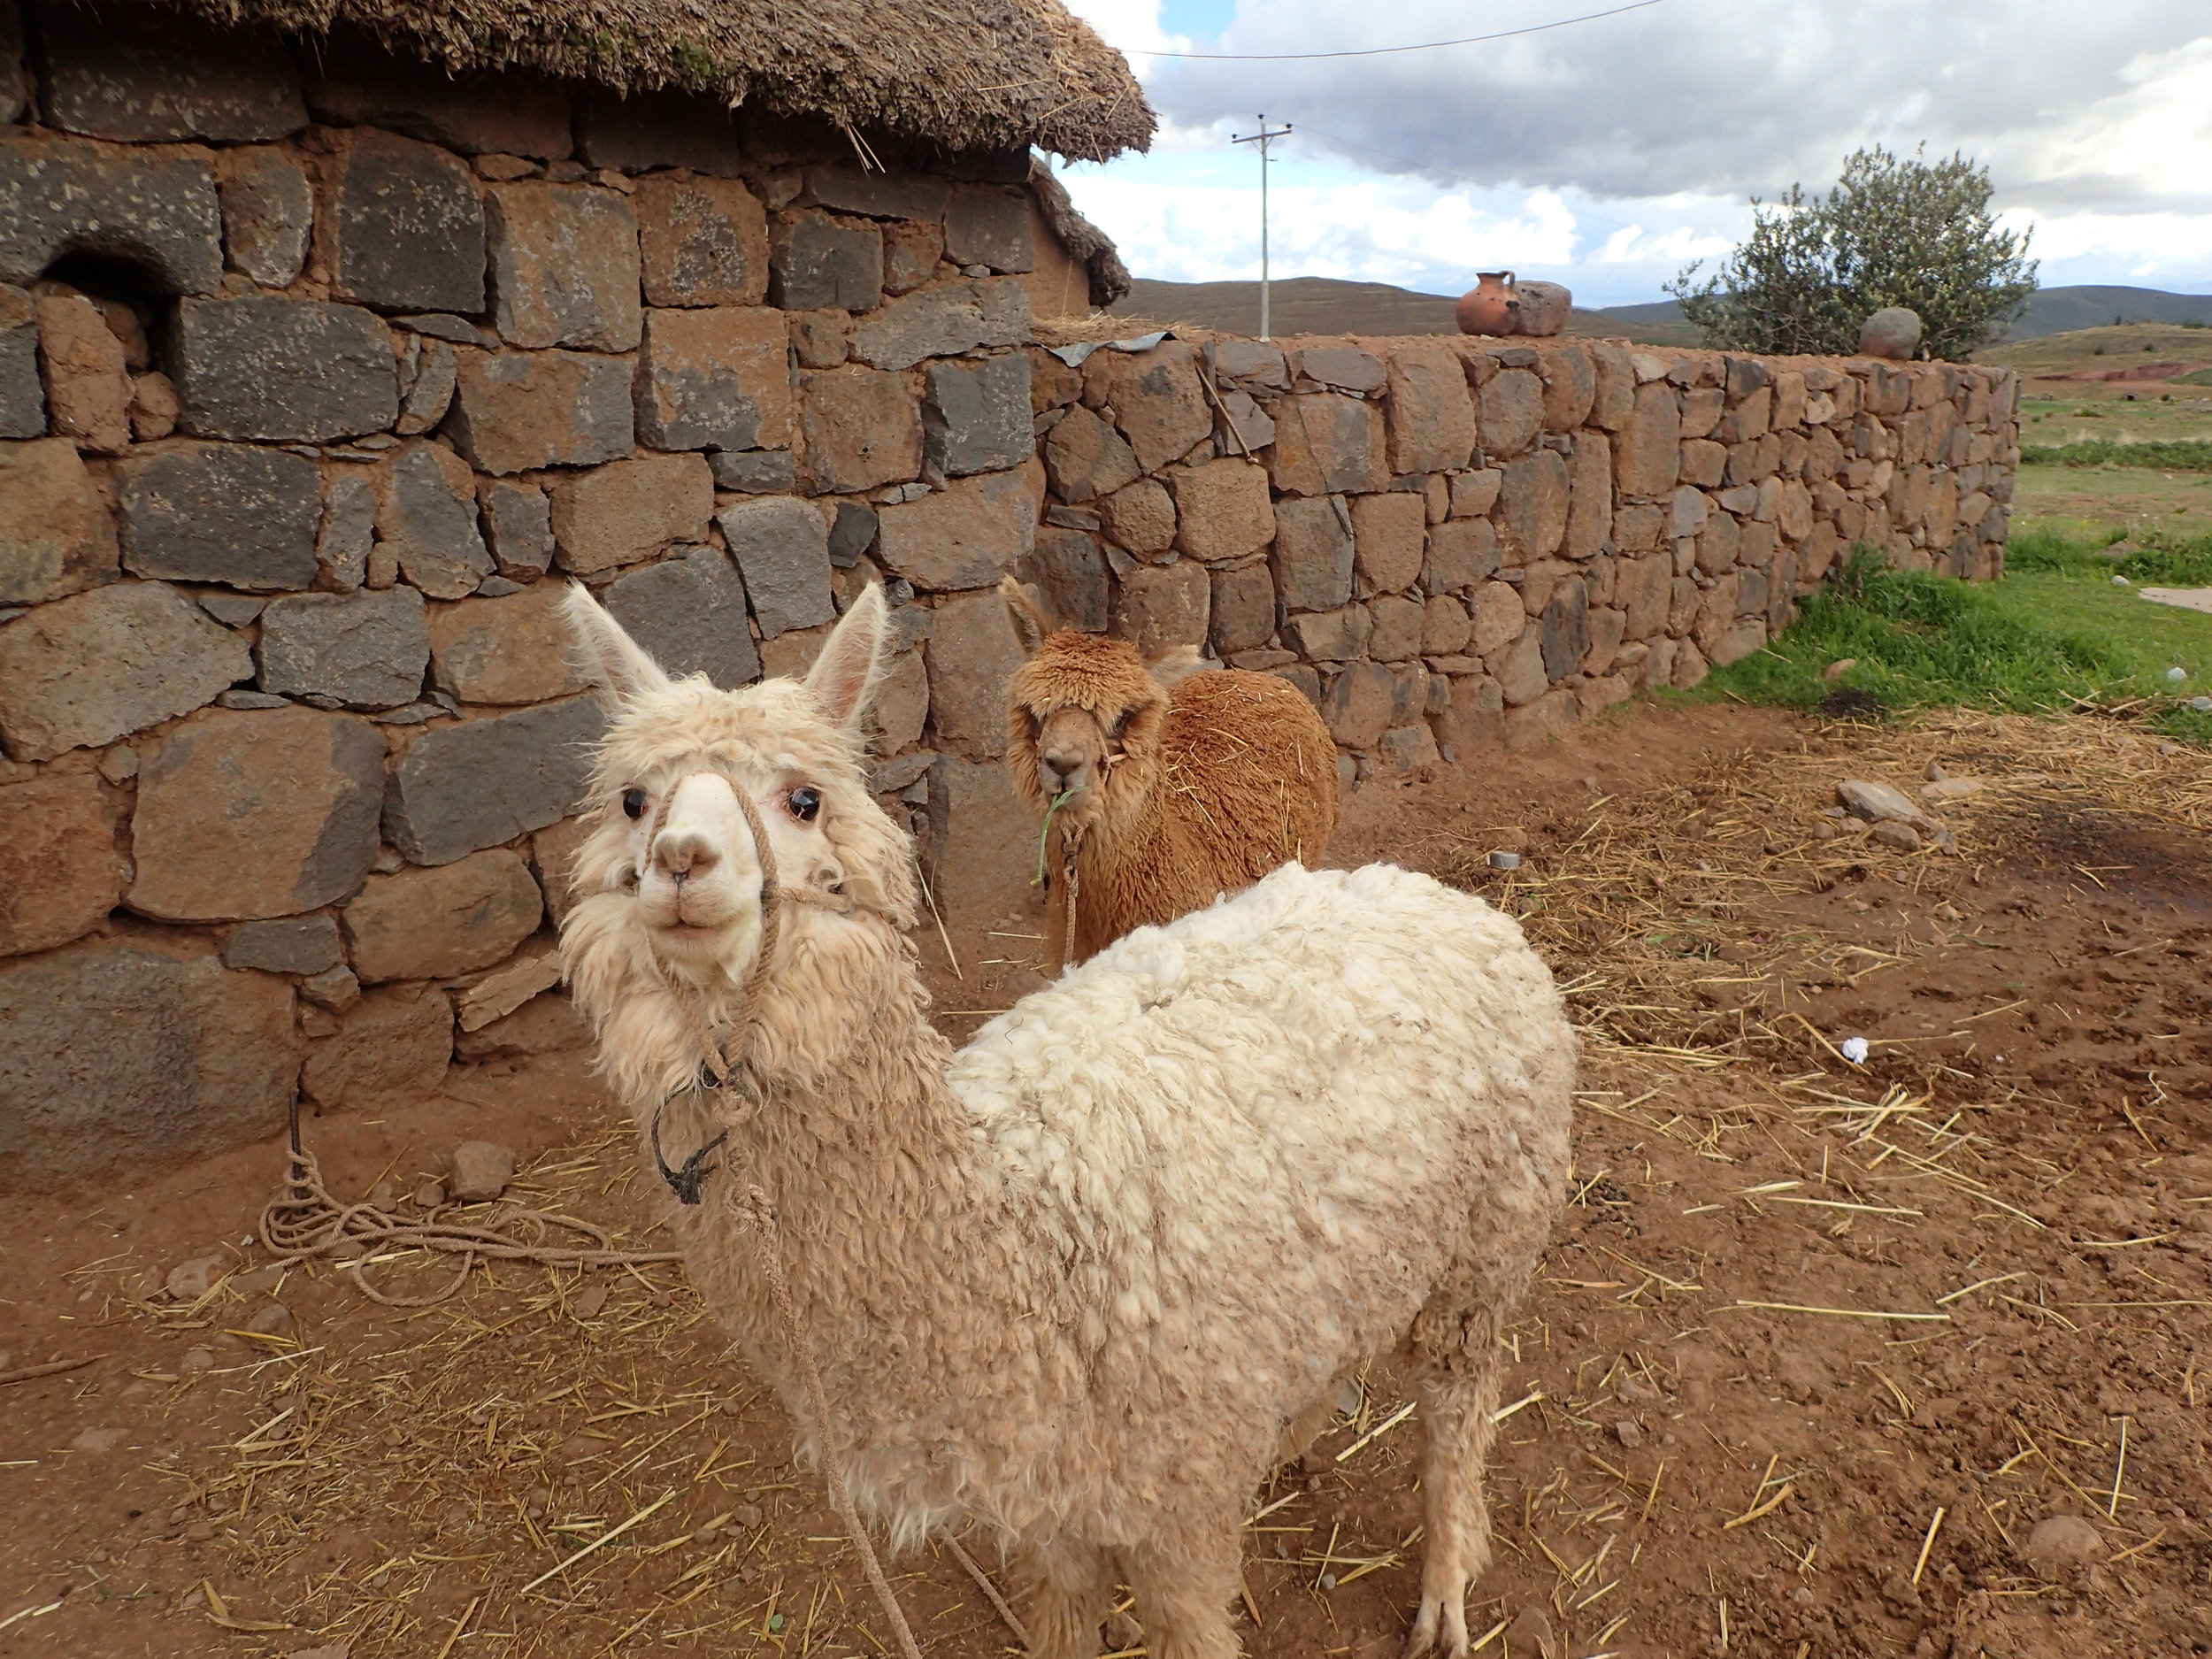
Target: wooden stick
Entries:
(52, 1368)
(1927, 1544)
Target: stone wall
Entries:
(320, 376)
(1452, 543)
(320, 373)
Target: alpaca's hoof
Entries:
(1439, 1629)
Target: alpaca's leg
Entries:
(1185, 1578)
(1071, 1591)
(1455, 1408)
(1303, 1430)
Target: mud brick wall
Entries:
(320, 374)
(1455, 543)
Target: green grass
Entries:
(2178, 454)
(2056, 629)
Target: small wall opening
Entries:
(131, 296)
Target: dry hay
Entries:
(574, 1461)
(1658, 901)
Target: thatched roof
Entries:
(1087, 244)
(967, 74)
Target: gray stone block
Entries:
(944, 321)
(87, 670)
(975, 416)
(1566, 629)
(852, 535)
(290, 944)
(988, 225)
(755, 472)
(406, 226)
(899, 193)
(564, 268)
(504, 112)
(268, 211)
(123, 1051)
(982, 838)
(689, 613)
(348, 530)
(156, 211)
(1313, 553)
(457, 788)
(514, 412)
(425, 510)
(22, 395)
(283, 371)
(221, 512)
(517, 527)
(815, 261)
(365, 650)
(143, 77)
(659, 129)
(782, 546)
(1069, 569)
(715, 378)
(15, 86)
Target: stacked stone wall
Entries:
(320, 372)
(321, 375)
(1452, 543)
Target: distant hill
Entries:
(2060, 310)
(1324, 305)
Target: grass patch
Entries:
(2174, 455)
(2055, 634)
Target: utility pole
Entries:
(1261, 138)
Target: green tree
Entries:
(1896, 231)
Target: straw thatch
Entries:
(1087, 244)
(967, 74)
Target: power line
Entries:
(1384, 52)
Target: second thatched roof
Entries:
(966, 74)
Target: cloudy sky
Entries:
(1609, 153)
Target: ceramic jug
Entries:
(1487, 308)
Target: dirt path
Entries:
(1796, 1307)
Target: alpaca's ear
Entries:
(1032, 622)
(1174, 665)
(845, 673)
(610, 659)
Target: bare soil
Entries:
(1817, 1347)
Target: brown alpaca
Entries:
(1181, 784)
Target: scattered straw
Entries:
(1842, 1313)
(1927, 1544)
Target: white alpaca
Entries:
(1080, 1280)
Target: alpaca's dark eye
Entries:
(805, 803)
(633, 802)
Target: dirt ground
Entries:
(1817, 1347)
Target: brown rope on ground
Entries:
(983, 1583)
(304, 1222)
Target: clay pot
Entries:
(1488, 307)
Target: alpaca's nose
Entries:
(681, 854)
(1063, 763)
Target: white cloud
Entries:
(1611, 153)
